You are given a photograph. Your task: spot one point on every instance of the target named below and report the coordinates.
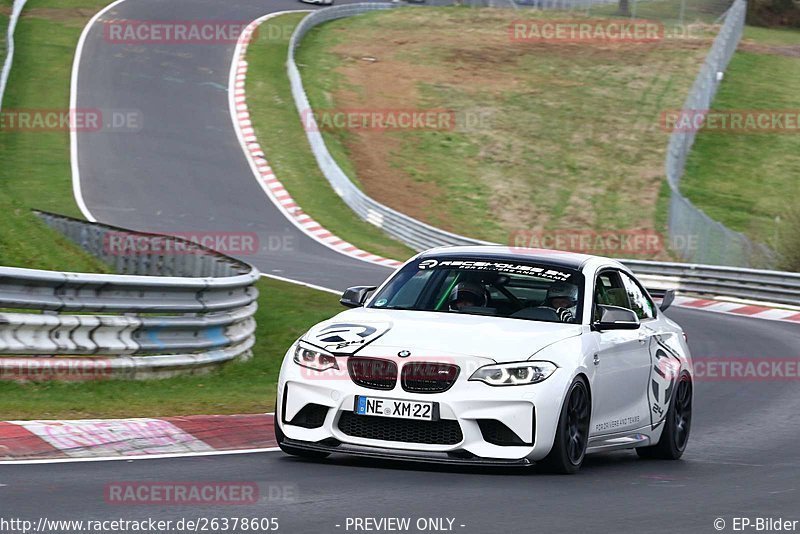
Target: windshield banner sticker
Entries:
(503, 267)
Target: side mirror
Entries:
(666, 296)
(355, 297)
(666, 300)
(616, 318)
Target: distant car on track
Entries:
(491, 356)
(318, 2)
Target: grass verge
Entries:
(5, 9)
(548, 136)
(748, 181)
(35, 170)
(281, 135)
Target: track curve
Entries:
(742, 457)
(185, 170)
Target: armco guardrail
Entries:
(185, 309)
(5, 71)
(714, 242)
(754, 284)
(412, 232)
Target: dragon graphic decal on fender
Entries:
(663, 379)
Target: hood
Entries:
(500, 339)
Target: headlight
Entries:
(309, 356)
(514, 374)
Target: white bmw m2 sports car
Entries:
(491, 356)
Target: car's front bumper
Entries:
(530, 412)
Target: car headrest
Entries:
(537, 314)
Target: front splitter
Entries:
(406, 455)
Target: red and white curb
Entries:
(125, 438)
(274, 189)
(738, 308)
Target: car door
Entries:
(622, 364)
(664, 361)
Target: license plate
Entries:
(402, 409)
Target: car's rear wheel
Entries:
(572, 433)
(677, 425)
(280, 437)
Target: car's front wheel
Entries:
(288, 449)
(572, 433)
(677, 424)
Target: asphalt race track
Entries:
(188, 172)
(742, 460)
(185, 171)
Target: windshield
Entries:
(499, 288)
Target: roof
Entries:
(556, 258)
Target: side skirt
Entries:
(625, 440)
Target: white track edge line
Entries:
(299, 283)
(137, 457)
(8, 61)
(77, 193)
(19, 422)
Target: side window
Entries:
(610, 291)
(640, 304)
